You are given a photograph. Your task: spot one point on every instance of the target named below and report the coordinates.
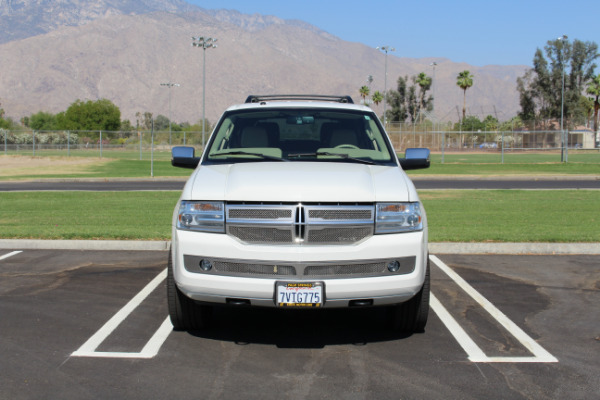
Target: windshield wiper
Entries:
(248, 153)
(327, 153)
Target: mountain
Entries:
(123, 50)
(21, 19)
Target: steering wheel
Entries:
(346, 146)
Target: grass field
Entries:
(124, 164)
(454, 216)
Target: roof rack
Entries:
(337, 99)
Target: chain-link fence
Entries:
(494, 143)
(143, 145)
(128, 145)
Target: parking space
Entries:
(92, 324)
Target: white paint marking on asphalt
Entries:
(465, 341)
(540, 354)
(88, 349)
(14, 253)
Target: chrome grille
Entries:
(259, 213)
(261, 234)
(335, 235)
(340, 215)
(314, 224)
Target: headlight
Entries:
(398, 217)
(205, 216)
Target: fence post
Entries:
(502, 147)
(443, 145)
(100, 144)
(33, 140)
(68, 143)
(5, 141)
(567, 145)
(152, 151)
(140, 134)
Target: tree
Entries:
(593, 89)
(490, 123)
(377, 97)
(42, 121)
(541, 88)
(364, 92)
(90, 115)
(464, 80)
(471, 123)
(424, 83)
(161, 123)
(144, 120)
(407, 100)
(396, 100)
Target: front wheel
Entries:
(411, 316)
(185, 314)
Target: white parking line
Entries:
(14, 253)
(88, 349)
(540, 355)
(474, 352)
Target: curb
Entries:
(435, 248)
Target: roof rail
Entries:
(337, 99)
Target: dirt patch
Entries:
(13, 166)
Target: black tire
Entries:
(185, 314)
(411, 316)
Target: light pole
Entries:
(433, 64)
(563, 152)
(385, 49)
(204, 43)
(170, 85)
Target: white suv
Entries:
(299, 202)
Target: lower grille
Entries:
(249, 268)
(353, 269)
(253, 269)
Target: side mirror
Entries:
(415, 158)
(184, 157)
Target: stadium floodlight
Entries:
(170, 85)
(385, 49)
(204, 43)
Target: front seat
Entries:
(253, 136)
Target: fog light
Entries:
(393, 266)
(205, 265)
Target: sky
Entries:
(483, 32)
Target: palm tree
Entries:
(364, 92)
(377, 97)
(464, 80)
(594, 89)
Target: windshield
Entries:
(299, 135)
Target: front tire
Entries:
(411, 316)
(185, 314)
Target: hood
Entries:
(299, 182)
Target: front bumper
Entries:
(259, 290)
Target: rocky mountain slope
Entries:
(123, 50)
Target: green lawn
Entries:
(454, 216)
(125, 165)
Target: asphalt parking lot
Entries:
(92, 325)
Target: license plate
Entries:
(299, 294)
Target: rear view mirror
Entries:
(184, 157)
(415, 158)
